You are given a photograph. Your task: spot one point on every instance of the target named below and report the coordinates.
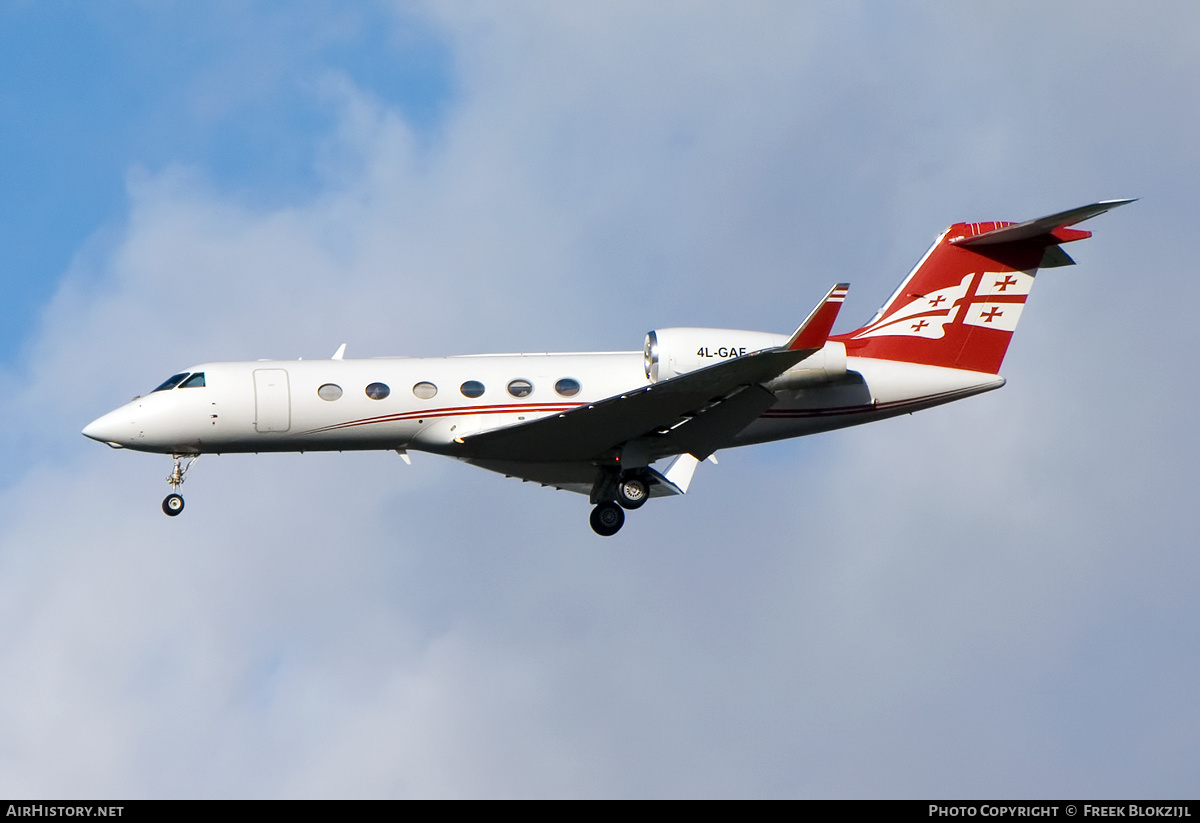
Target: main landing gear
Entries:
(607, 519)
(632, 491)
(629, 491)
(172, 504)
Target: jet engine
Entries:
(823, 366)
(671, 352)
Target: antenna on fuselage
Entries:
(340, 353)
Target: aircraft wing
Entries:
(697, 413)
(657, 410)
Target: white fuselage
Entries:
(264, 406)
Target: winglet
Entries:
(814, 331)
(340, 353)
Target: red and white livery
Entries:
(623, 427)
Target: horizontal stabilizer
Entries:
(814, 331)
(1043, 227)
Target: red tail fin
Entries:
(960, 305)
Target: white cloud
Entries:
(907, 609)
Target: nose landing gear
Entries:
(172, 504)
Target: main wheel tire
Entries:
(607, 519)
(632, 491)
(172, 505)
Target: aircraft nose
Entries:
(114, 428)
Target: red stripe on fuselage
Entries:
(448, 411)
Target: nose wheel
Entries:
(172, 504)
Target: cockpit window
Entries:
(173, 381)
(196, 381)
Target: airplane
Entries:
(625, 427)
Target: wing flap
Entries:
(712, 427)
(677, 476)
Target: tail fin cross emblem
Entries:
(1003, 295)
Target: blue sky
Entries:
(88, 93)
(991, 598)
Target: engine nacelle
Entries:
(819, 367)
(672, 352)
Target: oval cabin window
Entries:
(567, 387)
(330, 391)
(472, 388)
(378, 391)
(425, 390)
(520, 388)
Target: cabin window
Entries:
(378, 391)
(567, 387)
(196, 381)
(171, 382)
(472, 388)
(425, 390)
(329, 391)
(520, 388)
